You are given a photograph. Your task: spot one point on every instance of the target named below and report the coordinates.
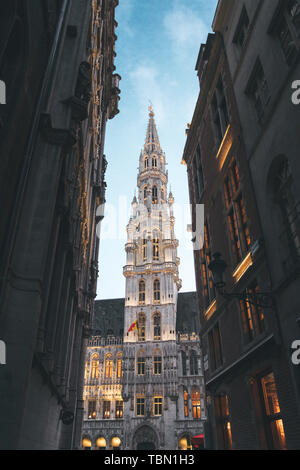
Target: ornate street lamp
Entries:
(258, 299)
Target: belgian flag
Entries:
(134, 326)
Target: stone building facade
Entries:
(241, 156)
(163, 399)
(57, 61)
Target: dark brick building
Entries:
(57, 61)
(253, 396)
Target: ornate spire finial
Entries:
(150, 108)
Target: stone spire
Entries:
(152, 141)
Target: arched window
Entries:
(183, 360)
(282, 181)
(155, 246)
(145, 193)
(186, 403)
(154, 195)
(108, 366)
(140, 363)
(154, 161)
(142, 292)
(86, 443)
(193, 363)
(101, 443)
(156, 291)
(185, 443)
(141, 327)
(115, 443)
(119, 366)
(196, 404)
(157, 363)
(95, 366)
(146, 161)
(144, 246)
(156, 326)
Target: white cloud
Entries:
(147, 84)
(186, 30)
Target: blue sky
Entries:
(157, 48)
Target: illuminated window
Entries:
(108, 366)
(154, 195)
(92, 409)
(106, 409)
(157, 365)
(144, 246)
(215, 350)
(223, 422)
(119, 366)
(196, 404)
(193, 363)
(115, 443)
(155, 245)
(252, 315)
(157, 406)
(142, 292)
(156, 291)
(101, 443)
(86, 443)
(141, 365)
(185, 443)
(186, 403)
(156, 325)
(208, 289)
(272, 417)
(140, 406)
(236, 215)
(141, 327)
(95, 366)
(119, 409)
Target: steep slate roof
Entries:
(109, 315)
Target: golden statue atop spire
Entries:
(150, 108)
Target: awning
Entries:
(198, 441)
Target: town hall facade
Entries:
(144, 385)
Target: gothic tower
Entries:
(152, 283)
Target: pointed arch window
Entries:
(196, 404)
(156, 291)
(193, 363)
(154, 161)
(145, 193)
(141, 327)
(146, 162)
(155, 246)
(157, 326)
(154, 195)
(186, 403)
(108, 366)
(95, 366)
(183, 361)
(144, 246)
(140, 363)
(157, 363)
(119, 366)
(142, 292)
